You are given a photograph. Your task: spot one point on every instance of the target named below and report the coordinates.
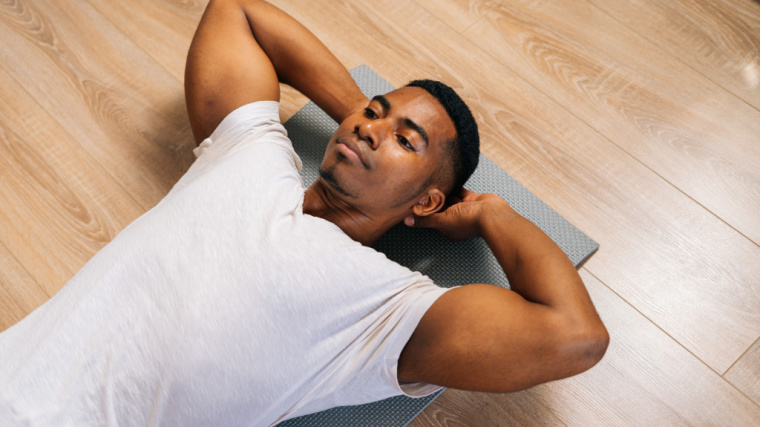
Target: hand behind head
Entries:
(463, 216)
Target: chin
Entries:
(331, 181)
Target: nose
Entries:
(371, 132)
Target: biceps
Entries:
(482, 337)
(226, 68)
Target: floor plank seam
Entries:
(757, 404)
(570, 112)
(29, 95)
(645, 379)
(734, 364)
(742, 355)
(434, 16)
(446, 23)
(25, 269)
(652, 42)
(481, 17)
(93, 161)
(687, 195)
(655, 324)
(134, 42)
(474, 22)
(679, 343)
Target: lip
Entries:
(350, 149)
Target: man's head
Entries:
(408, 149)
(463, 152)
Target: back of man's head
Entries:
(464, 151)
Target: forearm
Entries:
(302, 61)
(535, 266)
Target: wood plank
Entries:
(745, 374)
(163, 29)
(467, 408)
(667, 256)
(118, 103)
(720, 39)
(19, 293)
(59, 206)
(660, 250)
(686, 128)
(457, 14)
(645, 379)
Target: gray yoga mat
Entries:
(448, 264)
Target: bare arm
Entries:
(483, 337)
(242, 48)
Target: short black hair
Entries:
(464, 150)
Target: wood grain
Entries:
(463, 408)
(697, 136)
(458, 14)
(122, 107)
(59, 207)
(19, 293)
(720, 39)
(645, 379)
(745, 374)
(92, 96)
(163, 29)
(644, 225)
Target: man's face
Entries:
(380, 158)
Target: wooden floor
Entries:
(637, 120)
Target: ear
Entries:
(429, 203)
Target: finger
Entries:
(421, 221)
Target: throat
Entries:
(321, 201)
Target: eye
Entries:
(369, 113)
(405, 142)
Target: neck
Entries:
(321, 201)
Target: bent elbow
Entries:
(591, 345)
(598, 346)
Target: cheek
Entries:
(402, 171)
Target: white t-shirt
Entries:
(223, 305)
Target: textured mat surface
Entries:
(448, 264)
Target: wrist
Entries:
(494, 217)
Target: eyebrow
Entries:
(383, 101)
(407, 121)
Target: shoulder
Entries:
(249, 124)
(250, 146)
(249, 117)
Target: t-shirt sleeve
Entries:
(248, 124)
(421, 297)
(366, 371)
(249, 138)
(249, 116)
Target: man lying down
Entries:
(243, 298)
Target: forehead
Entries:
(421, 107)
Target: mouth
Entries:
(351, 150)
